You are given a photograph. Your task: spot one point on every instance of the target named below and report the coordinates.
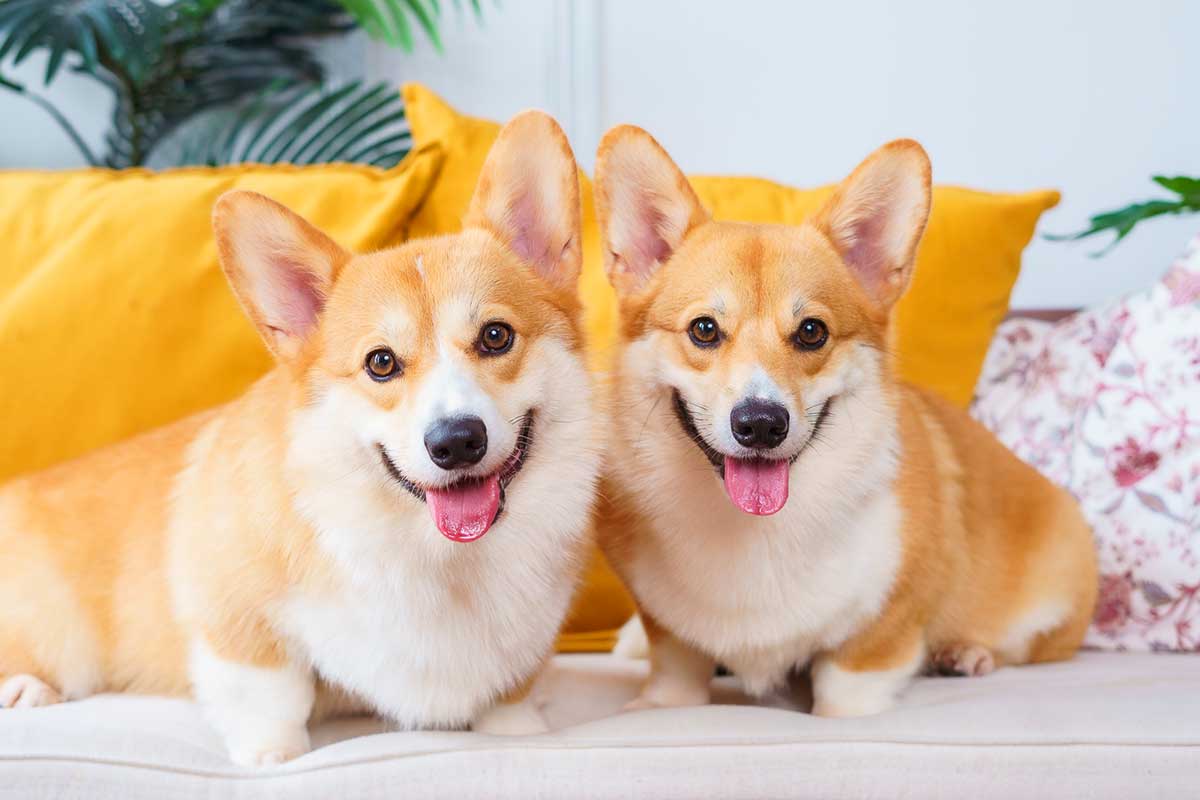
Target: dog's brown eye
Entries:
(382, 364)
(811, 335)
(704, 332)
(496, 338)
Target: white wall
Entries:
(28, 135)
(1088, 97)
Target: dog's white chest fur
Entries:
(428, 631)
(764, 594)
(432, 643)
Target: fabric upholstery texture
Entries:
(1106, 725)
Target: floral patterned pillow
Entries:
(1107, 404)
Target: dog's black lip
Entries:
(397, 475)
(714, 456)
(509, 469)
(689, 427)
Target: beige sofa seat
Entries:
(1104, 725)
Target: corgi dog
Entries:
(777, 498)
(394, 519)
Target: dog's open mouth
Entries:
(757, 486)
(466, 509)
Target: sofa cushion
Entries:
(1104, 725)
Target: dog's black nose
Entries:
(760, 424)
(456, 442)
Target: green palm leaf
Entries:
(388, 20)
(356, 122)
(167, 62)
(1121, 222)
(126, 30)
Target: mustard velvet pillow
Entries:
(114, 315)
(966, 267)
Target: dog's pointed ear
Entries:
(644, 203)
(875, 218)
(528, 197)
(280, 267)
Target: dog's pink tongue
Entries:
(464, 512)
(757, 486)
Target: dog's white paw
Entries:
(835, 710)
(27, 691)
(840, 692)
(264, 748)
(515, 719)
(640, 703)
(672, 695)
(632, 641)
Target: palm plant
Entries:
(219, 81)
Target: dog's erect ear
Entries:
(875, 218)
(528, 197)
(279, 265)
(644, 203)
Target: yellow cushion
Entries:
(114, 316)
(966, 267)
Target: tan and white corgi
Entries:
(776, 497)
(394, 518)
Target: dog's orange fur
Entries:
(115, 563)
(984, 539)
(90, 532)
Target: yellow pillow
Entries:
(966, 267)
(114, 316)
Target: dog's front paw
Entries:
(836, 710)
(675, 695)
(267, 748)
(640, 703)
(844, 692)
(511, 719)
(27, 691)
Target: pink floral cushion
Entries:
(1107, 404)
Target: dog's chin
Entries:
(755, 484)
(467, 507)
